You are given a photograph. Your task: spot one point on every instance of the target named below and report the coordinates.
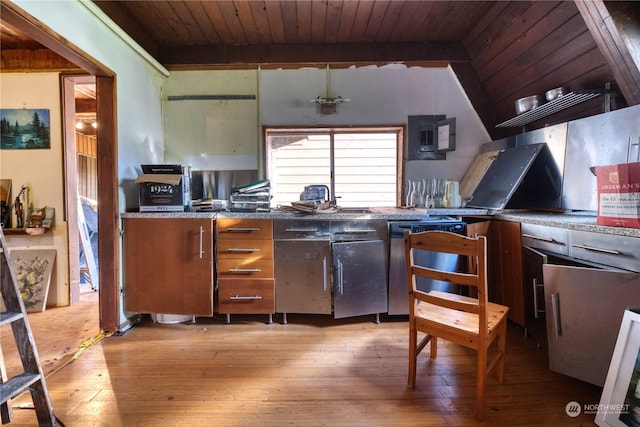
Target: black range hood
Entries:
(521, 177)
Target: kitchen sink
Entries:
(355, 210)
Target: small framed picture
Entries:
(620, 401)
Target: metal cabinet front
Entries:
(584, 309)
(360, 278)
(302, 274)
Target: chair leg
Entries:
(502, 346)
(413, 355)
(433, 352)
(481, 378)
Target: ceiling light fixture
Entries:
(328, 105)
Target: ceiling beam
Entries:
(616, 37)
(248, 56)
(34, 29)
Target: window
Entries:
(361, 167)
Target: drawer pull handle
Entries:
(243, 250)
(244, 270)
(302, 230)
(543, 239)
(596, 249)
(536, 310)
(201, 251)
(557, 322)
(245, 298)
(241, 229)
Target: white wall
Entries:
(138, 83)
(40, 170)
(378, 96)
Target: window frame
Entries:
(399, 130)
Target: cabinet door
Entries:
(168, 266)
(303, 283)
(584, 309)
(360, 277)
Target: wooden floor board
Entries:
(313, 371)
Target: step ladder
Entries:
(32, 378)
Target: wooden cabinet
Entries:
(168, 265)
(504, 264)
(244, 249)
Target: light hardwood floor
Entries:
(313, 371)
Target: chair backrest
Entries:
(474, 248)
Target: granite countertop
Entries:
(583, 221)
(387, 213)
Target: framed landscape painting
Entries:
(33, 269)
(24, 129)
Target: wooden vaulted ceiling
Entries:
(499, 50)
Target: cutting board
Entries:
(476, 171)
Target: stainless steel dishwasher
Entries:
(302, 256)
(398, 288)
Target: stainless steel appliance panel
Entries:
(398, 286)
(596, 141)
(345, 230)
(543, 237)
(301, 229)
(584, 309)
(360, 278)
(616, 251)
(303, 276)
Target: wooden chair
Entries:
(470, 322)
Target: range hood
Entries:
(521, 177)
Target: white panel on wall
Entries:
(212, 134)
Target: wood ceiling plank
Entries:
(472, 11)
(245, 16)
(360, 22)
(167, 13)
(303, 21)
(217, 21)
(388, 24)
(443, 16)
(538, 42)
(515, 34)
(34, 60)
(259, 13)
(349, 11)
(121, 15)
(397, 30)
(191, 25)
(231, 18)
(376, 18)
(147, 15)
(201, 17)
(318, 20)
(289, 19)
(332, 27)
(274, 15)
(493, 30)
(481, 25)
(509, 82)
(613, 46)
(418, 22)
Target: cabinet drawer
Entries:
(245, 249)
(543, 237)
(239, 268)
(252, 296)
(241, 228)
(616, 251)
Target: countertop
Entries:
(583, 221)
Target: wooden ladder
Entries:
(32, 378)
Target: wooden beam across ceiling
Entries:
(618, 50)
(29, 60)
(199, 57)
